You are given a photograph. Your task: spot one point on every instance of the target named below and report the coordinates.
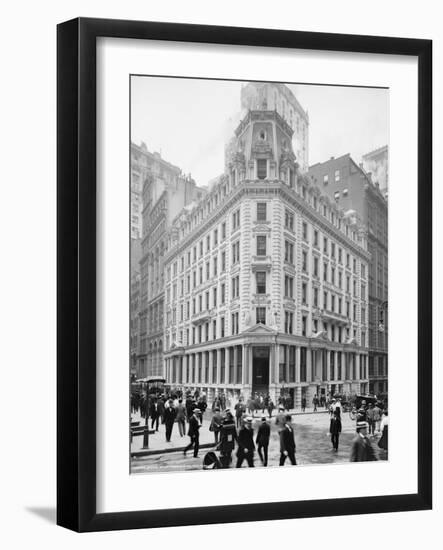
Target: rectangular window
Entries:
(208, 243)
(289, 318)
(261, 282)
(201, 249)
(325, 300)
(261, 245)
(262, 171)
(208, 271)
(235, 287)
(207, 300)
(303, 368)
(223, 261)
(214, 330)
(261, 315)
(304, 261)
(200, 303)
(332, 250)
(333, 275)
(214, 297)
(303, 325)
(289, 220)
(291, 364)
(315, 237)
(261, 211)
(337, 175)
(236, 252)
(236, 220)
(325, 179)
(325, 271)
(214, 262)
(222, 329)
(223, 230)
(315, 266)
(289, 286)
(289, 252)
(305, 231)
(215, 237)
(234, 319)
(315, 290)
(304, 293)
(222, 293)
(325, 245)
(200, 272)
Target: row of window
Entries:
(224, 366)
(206, 332)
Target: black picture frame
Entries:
(76, 279)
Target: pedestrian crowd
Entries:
(233, 428)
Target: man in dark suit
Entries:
(169, 415)
(154, 414)
(287, 442)
(246, 445)
(362, 450)
(262, 440)
(228, 437)
(335, 429)
(193, 432)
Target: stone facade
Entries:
(166, 190)
(354, 190)
(266, 279)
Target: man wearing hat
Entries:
(262, 440)
(287, 442)
(216, 423)
(228, 437)
(169, 417)
(193, 432)
(246, 445)
(362, 450)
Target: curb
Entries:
(149, 452)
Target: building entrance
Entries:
(260, 369)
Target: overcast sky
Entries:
(190, 120)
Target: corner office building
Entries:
(266, 280)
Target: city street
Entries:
(311, 436)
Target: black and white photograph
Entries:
(259, 274)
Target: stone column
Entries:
(211, 368)
(328, 366)
(244, 378)
(297, 364)
(226, 380)
(218, 366)
(309, 354)
(234, 370)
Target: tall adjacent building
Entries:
(135, 307)
(355, 190)
(376, 162)
(165, 191)
(266, 276)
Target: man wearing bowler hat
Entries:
(264, 431)
(193, 432)
(246, 445)
(362, 450)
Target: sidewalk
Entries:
(159, 445)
